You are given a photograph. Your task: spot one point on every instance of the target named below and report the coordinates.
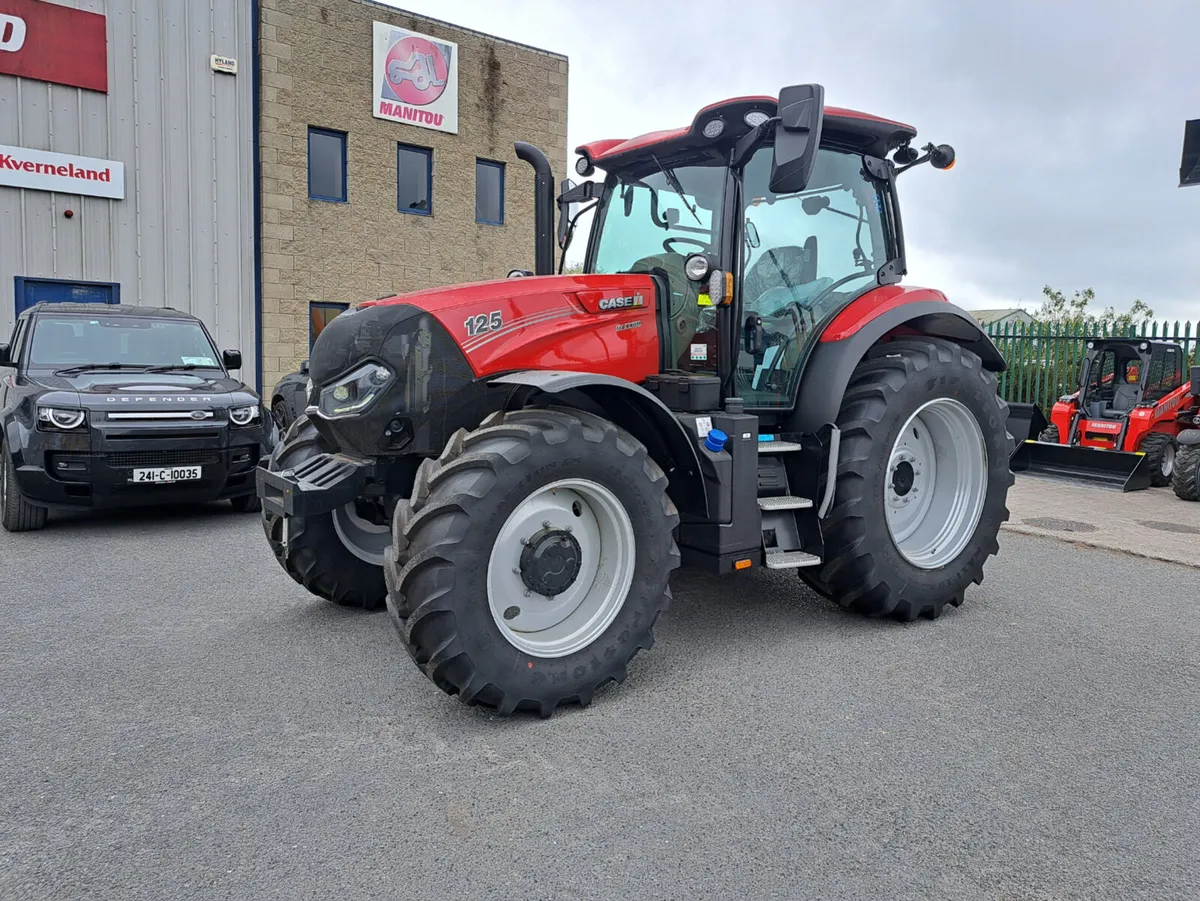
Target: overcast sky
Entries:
(1067, 118)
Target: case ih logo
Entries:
(622, 303)
(416, 78)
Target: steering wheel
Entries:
(667, 244)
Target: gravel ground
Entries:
(181, 720)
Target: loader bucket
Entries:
(1025, 423)
(1084, 465)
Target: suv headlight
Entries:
(355, 391)
(243, 415)
(58, 418)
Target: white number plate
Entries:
(167, 474)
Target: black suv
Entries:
(110, 406)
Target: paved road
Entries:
(182, 721)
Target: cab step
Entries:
(779, 447)
(790, 559)
(783, 502)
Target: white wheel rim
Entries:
(1168, 460)
(936, 483)
(366, 540)
(545, 626)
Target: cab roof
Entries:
(843, 128)
(107, 309)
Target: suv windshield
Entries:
(71, 340)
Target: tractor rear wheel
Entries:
(922, 481)
(533, 560)
(1160, 450)
(337, 556)
(1186, 478)
(1050, 435)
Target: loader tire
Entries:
(1050, 435)
(911, 402)
(537, 552)
(1186, 479)
(316, 555)
(16, 513)
(1160, 450)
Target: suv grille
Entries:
(134, 459)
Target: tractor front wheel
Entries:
(1160, 450)
(1186, 478)
(922, 481)
(337, 556)
(533, 560)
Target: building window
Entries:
(320, 315)
(327, 165)
(489, 192)
(414, 180)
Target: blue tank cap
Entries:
(715, 441)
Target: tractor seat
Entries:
(1125, 398)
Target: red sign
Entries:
(53, 43)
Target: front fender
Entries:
(634, 409)
(854, 332)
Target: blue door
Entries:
(52, 290)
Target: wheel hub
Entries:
(550, 562)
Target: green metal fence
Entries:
(1043, 358)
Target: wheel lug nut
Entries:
(516, 570)
(545, 523)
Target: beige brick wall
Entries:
(316, 70)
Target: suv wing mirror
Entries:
(5, 355)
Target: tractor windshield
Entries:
(648, 226)
(804, 256)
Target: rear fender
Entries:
(631, 407)
(838, 352)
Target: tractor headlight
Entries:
(696, 267)
(243, 415)
(58, 418)
(755, 118)
(713, 128)
(355, 391)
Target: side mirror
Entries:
(518, 273)
(1195, 380)
(304, 368)
(232, 359)
(801, 114)
(5, 355)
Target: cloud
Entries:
(1067, 118)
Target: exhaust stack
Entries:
(543, 207)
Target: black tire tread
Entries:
(1186, 480)
(1050, 435)
(849, 573)
(1153, 445)
(428, 627)
(19, 514)
(354, 584)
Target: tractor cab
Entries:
(759, 222)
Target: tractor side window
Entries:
(648, 227)
(805, 256)
(1102, 376)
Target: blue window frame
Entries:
(320, 314)
(414, 180)
(326, 165)
(489, 192)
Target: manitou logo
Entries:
(416, 78)
(622, 303)
(12, 33)
(1103, 427)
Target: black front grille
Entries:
(156, 458)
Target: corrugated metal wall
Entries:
(184, 234)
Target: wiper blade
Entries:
(93, 367)
(673, 181)
(182, 367)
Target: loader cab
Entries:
(802, 228)
(1120, 375)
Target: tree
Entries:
(1076, 310)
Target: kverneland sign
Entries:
(63, 173)
(51, 42)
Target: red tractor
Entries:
(1122, 426)
(737, 380)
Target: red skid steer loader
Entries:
(1121, 428)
